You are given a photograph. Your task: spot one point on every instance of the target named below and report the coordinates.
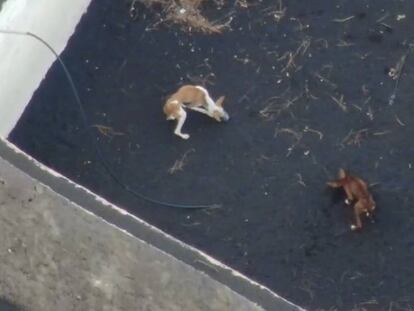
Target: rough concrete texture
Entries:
(56, 256)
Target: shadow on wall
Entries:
(4, 304)
(1, 3)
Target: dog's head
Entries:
(218, 112)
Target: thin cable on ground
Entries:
(96, 146)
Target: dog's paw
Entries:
(353, 227)
(181, 135)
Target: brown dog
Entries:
(356, 190)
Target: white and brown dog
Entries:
(196, 98)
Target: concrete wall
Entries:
(24, 61)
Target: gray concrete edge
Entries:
(138, 228)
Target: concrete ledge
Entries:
(60, 252)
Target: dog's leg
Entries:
(202, 110)
(358, 223)
(180, 122)
(209, 100)
(349, 196)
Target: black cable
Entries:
(86, 124)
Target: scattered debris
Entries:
(307, 286)
(243, 4)
(400, 17)
(340, 102)
(107, 130)
(297, 135)
(399, 121)
(386, 132)
(300, 180)
(290, 56)
(274, 108)
(188, 14)
(323, 75)
(308, 129)
(322, 43)
(343, 20)
(308, 93)
(387, 27)
(277, 12)
(395, 71)
(133, 10)
(355, 137)
(179, 164)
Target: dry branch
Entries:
(188, 14)
(180, 163)
(107, 130)
(274, 107)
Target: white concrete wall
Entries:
(24, 61)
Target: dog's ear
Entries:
(219, 102)
(341, 173)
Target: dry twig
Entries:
(107, 130)
(179, 164)
(355, 137)
(340, 102)
(323, 75)
(343, 20)
(399, 121)
(297, 135)
(187, 13)
(395, 72)
(300, 180)
(273, 108)
(277, 12)
(308, 129)
(291, 56)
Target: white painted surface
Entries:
(24, 61)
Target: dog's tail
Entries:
(335, 184)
